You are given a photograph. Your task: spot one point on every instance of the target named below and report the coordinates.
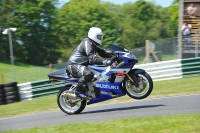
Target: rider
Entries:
(84, 54)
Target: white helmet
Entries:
(95, 34)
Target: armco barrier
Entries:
(32, 90)
(191, 66)
(165, 70)
(25, 91)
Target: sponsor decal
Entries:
(107, 86)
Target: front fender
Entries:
(136, 71)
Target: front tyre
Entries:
(69, 106)
(142, 87)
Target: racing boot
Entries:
(81, 91)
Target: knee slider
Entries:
(89, 76)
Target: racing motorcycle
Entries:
(116, 80)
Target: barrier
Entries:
(9, 93)
(31, 90)
(174, 69)
(164, 70)
(2, 95)
(191, 65)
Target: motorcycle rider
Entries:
(85, 54)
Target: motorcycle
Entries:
(116, 80)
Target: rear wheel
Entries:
(141, 87)
(69, 106)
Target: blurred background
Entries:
(49, 30)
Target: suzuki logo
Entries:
(106, 86)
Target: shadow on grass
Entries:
(124, 108)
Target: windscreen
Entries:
(114, 47)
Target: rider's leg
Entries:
(83, 73)
(82, 83)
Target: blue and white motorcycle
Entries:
(109, 82)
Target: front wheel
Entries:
(69, 106)
(141, 87)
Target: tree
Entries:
(6, 15)
(34, 41)
(142, 21)
(77, 16)
(44, 31)
(173, 10)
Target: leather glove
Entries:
(107, 62)
(114, 58)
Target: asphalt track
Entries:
(143, 108)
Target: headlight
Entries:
(133, 56)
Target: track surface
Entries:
(130, 109)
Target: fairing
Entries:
(107, 88)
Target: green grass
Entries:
(28, 73)
(23, 72)
(162, 88)
(164, 58)
(169, 57)
(185, 123)
(5, 67)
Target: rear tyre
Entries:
(69, 106)
(144, 88)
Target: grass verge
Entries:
(28, 73)
(185, 123)
(5, 66)
(162, 88)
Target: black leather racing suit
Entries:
(84, 54)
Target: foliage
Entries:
(77, 16)
(142, 21)
(173, 9)
(47, 33)
(34, 42)
(6, 9)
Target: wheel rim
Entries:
(68, 105)
(138, 91)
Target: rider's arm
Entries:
(91, 53)
(102, 52)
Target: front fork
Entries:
(134, 80)
(133, 77)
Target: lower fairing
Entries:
(104, 96)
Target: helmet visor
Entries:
(100, 37)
